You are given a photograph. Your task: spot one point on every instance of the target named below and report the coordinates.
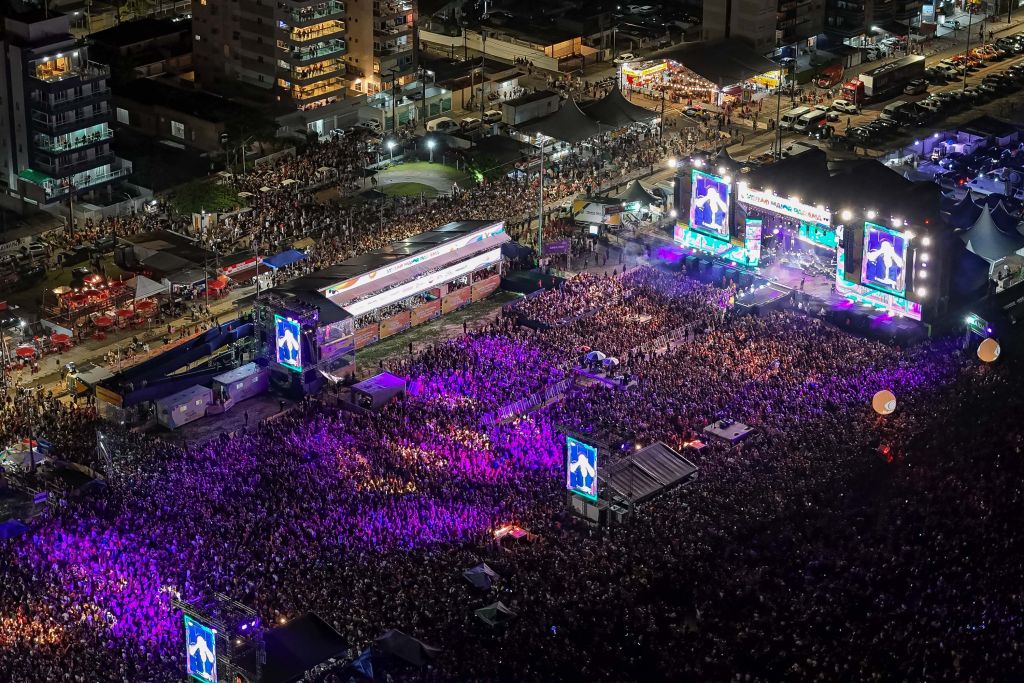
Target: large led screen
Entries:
(709, 204)
(581, 468)
(884, 266)
(287, 338)
(201, 650)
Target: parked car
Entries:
(369, 124)
(915, 87)
(492, 116)
(470, 124)
(844, 106)
(625, 57)
(442, 124)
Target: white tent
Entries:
(145, 288)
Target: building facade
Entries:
(765, 24)
(293, 49)
(381, 43)
(852, 21)
(55, 116)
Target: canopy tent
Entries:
(1005, 219)
(568, 124)
(963, 214)
(12, 528)
(145, 288)
(481, 576)
(722, 62)
(495, 614)
(616, 111)
(285, 258)
(988, 241)
(404, 648)
(636, 192)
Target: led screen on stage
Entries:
(287, 336)
(709, 204)
(201, 651)
(581, 468)
(884, 266)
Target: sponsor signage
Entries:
(784, 206)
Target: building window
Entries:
(178, 130)
(122, 116)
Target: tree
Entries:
(205, 195)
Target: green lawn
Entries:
(408, 190)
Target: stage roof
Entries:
(648, 472)
(723, 62)
(298, 646)
(362, 274)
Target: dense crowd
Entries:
(832, 545)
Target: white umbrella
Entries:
(264, 189)
(596, 356)
(610, 362)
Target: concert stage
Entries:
(728, 430)
(770, 297)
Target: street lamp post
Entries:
(391, 148)
(430, 146)
(967, 49)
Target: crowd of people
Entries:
(831, 545)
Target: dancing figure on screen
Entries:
(581, 471)
(886, 253)
(711, 210)
(205, 657)
(288, 347)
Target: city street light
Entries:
(430, 146)
(391, 148)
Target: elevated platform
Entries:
(766, 298)
(728, 430)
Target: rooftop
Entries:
(139, 31)
(199, 104)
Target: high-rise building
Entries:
(381, 43)
(852, 21)
(55, 115)
(293, 49)
(764, 24)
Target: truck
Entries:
(884, 81)
(830, 76)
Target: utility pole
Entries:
(483, 63)
(661, 131)
(967, 50)
(540, 216)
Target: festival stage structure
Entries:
(312, 327)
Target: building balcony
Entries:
(69, 122)
(326, 29)
(318, 90)
(304, 16)
(329, 48)
(70, 164)
(72, 143)
(389, 8)
(392, 30)
(56, 104)
(55, 188)
(318, 71)
(87, 72)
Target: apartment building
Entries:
(381, 43)
(764, 24)
(55, 116)
(852, 21)
(292, 49)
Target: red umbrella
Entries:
(146, 305)
(60, 338)
(217, 284)
(125, 313)
(25, 351)
(103, 321)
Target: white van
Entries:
(442, 124)
(790, 118)
(809, 120)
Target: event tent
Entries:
(636, 192)
(568, 124)
(285, 258)
(988, 241)
(481, 576)
(616, 111)
(495, 614)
